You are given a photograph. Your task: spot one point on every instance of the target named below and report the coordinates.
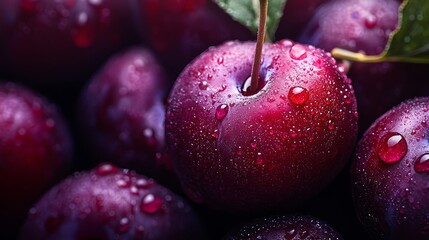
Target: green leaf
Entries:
(247, 13)
(408, 43)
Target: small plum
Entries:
(285, 227)
(243, 151)
(390, 173)
(122, 113)
(111, 203)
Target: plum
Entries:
(295, 227)
(111, 203)
(35, 150)
(122, 113)
(58, 41)
(245, 152)
(390, 173)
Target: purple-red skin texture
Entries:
(285, 227)
(52, 42)
(35, 149)
(111, 203)
(391, 198)
(248, 154)
(296, 15)
(179, 30)
(122, 112)
(365, 25)
(356, 25)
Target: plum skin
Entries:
(111, 203)
(286, 227)
(35, 149)
(122, 113)
(48, 42)
(177, 29)
(260, 152)
(391, 198)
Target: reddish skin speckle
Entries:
(51, 42)
(90, 206)
(293, 169)
(177, 29)
(391, 198)
(122, 113)
(285, 227)
(35, 150)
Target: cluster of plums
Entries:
(136, 120)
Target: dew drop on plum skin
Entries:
(35, 148)
(389, 173)
(91, 205)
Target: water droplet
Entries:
(124, 226)
(290, 233)
(220, 60)
(215, 133)
(298, 52)
(298, 95)
(95, 2)
(422, 164)
(106, 169)
(83, 34)
(370, 21)
(392, 147)
(123, 183)
(134, 190)
(331, 125)
(287, 43)
(151, 204)
(221, 112)
(203, 85)
(143, 183)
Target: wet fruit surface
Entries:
(389, 173)
(111, 203)
(35, 150)
(285, 227)
(122, 113)
(254, 151)
(65, 38)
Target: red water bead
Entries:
(392, 147)
(298, 95)
(151, 204)
(422, 164)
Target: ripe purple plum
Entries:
(122, 112)
(53, 42)
(365, 26)
(111, 203)
(390, 173)
(246, 152)
(35, 150)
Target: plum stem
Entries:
(259, 45)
